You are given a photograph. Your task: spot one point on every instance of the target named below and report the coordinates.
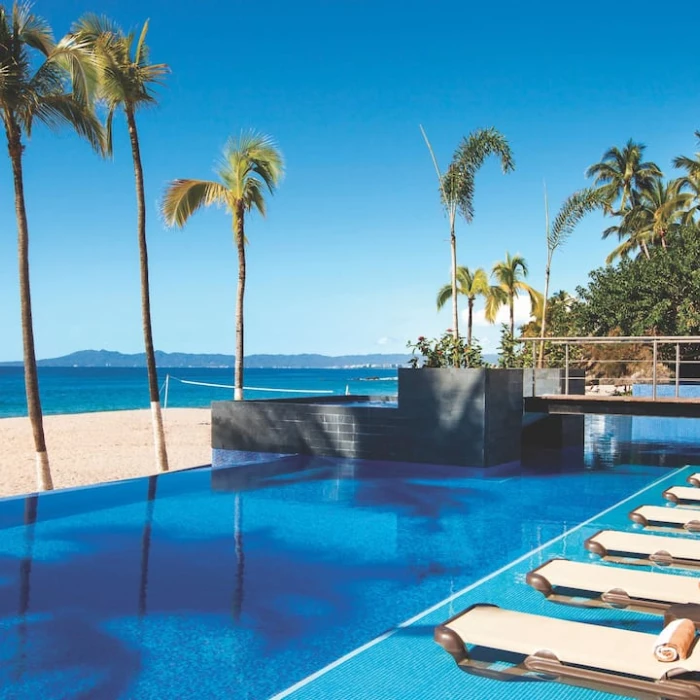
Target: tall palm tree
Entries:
(457, 187)
(50, 83)
(250, 164)
(620, 172)
(510, 277)
(126, 83)
(469, 285)
(572, 211)
(656, 212)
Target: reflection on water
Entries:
(146, 543)
(644, 440)
(190, 584)
(31, 504)
(240, 556)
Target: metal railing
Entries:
(670, 362)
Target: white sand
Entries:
(88, 448)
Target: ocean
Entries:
(88, 389)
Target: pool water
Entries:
(238, 582)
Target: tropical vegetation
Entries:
(126, 82)
(650, 282)
(572, 211)
(456, 186)
(48, 82)
(470, 285)
(446, 351)
(510, 275)
(251, 164)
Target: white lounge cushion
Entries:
(683, 493)
(638, 544)
(644, 585)
(679, 517)
(580, 643)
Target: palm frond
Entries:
(573, 210)
(183, 198)
(495, 299)
(251, 154)
(469, 158)
(30, 29)
(141, 53)
(480, 282)
(92, 27)
(73, 58)
(443, 296)
(63, 110)
(536, 298)
(253, 196)
(124, 79)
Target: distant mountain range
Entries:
(108, 358)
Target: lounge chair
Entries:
(660, 516)
(577, 653)
(579, 583)
(630, 547)
(694, 479)
(676, 494)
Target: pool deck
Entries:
(404, 662)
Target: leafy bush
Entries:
(446, 351)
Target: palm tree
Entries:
(126, 83)
(250, 164)
(457, 187)
(691, 180)
(469, 285)
(510, 274)
(620, 172)
(656, 213)
(572, 211)
(34, 77)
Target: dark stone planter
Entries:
(468, 417)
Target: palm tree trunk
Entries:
(453, 250)
(470, 321)
(240, 245)
(645, 249)
(543, 325)
(31, 378)
(511, 304)
(154, 394)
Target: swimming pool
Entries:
(239, 582)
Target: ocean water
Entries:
(87, 389)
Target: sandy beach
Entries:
(89, 448)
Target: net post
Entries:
(653, 371)
(678, 370)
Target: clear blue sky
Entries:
(355, 243)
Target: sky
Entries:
(355, 243)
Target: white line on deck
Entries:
(355, 652)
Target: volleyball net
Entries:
(169, 378)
